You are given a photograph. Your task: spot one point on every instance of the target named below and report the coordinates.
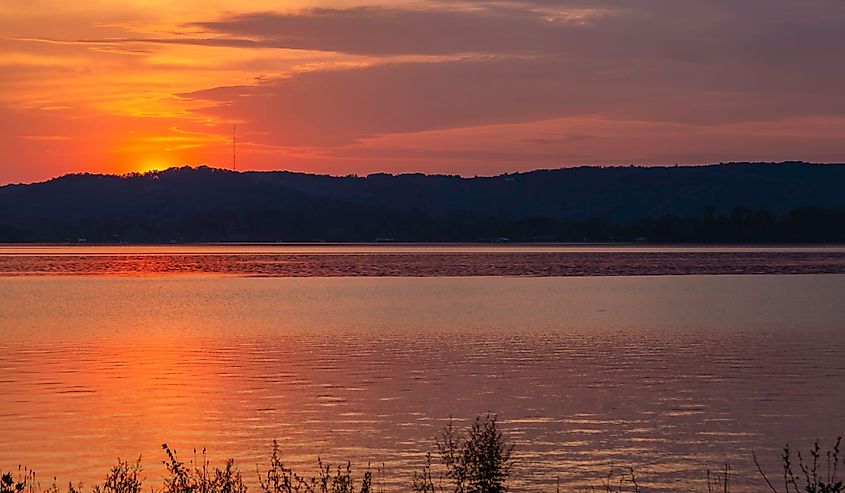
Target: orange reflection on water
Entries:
(671, 375)
(111, 397)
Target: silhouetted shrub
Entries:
(818, 474)
(199, 478)
(281, 479)
(478, 462)
(24, 483)
(618, 483)
(124, 477)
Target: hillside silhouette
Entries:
(734, 202)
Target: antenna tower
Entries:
(234, 149)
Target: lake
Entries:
(669, 360)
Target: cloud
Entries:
(339, 107)
(501, 148)
(393, 31)
(681, 29)
(181, 40)
(45, 138)
(691, 62)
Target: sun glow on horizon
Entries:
(154, 165)
(354, 86)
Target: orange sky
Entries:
(466, 87)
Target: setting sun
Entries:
(154, 165)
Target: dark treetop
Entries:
(736, 202)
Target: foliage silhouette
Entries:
(124, 477)
(477, 460)
(281, 479)
(198, 477)
(739, 202)
(817, 474)
(25, 482)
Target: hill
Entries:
(734, 202)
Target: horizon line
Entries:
(136, 174)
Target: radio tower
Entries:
(234, 149)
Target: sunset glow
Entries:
(154, 165)
(418, 246)
(466, 87)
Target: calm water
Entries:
(108, 352)
(417, 261)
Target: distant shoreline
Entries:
(785, 203)
(418, 260)
(503, 245)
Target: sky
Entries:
(474, 87)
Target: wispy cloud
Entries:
(45, 138)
